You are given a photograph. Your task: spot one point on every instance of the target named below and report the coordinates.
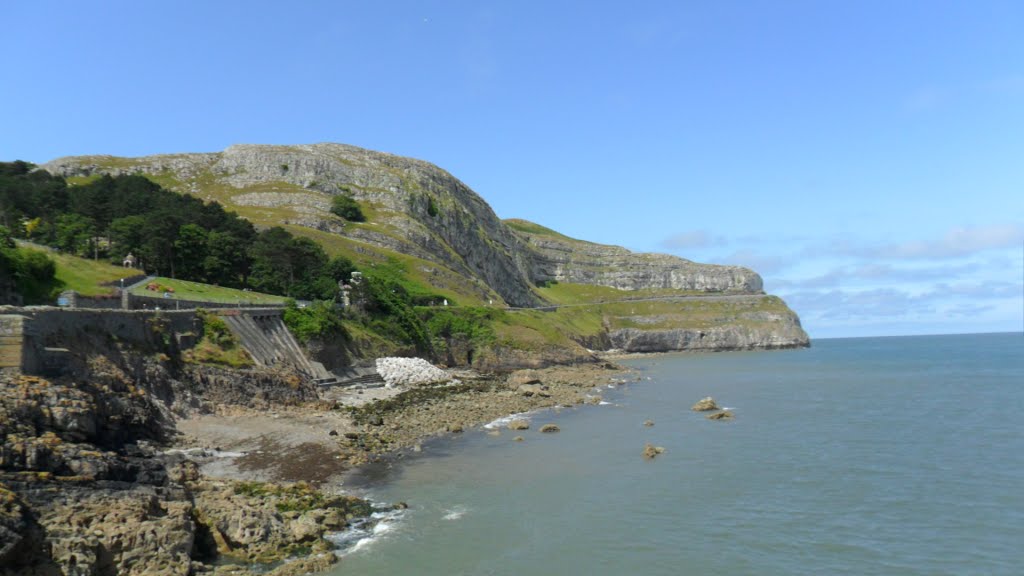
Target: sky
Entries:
(866, 158)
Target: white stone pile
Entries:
(409, 372)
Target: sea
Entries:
(889, 456)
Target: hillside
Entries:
(441, 237)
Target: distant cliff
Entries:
(443, 233)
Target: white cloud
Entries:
(691, 239)
(956, 243)
(756, 261)
(842, 304)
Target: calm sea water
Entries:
(894, 456)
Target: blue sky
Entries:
(867, 158)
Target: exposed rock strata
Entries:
(83, 489)
(420, 203)
(558, 258)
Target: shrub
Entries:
(317, 320)
(347, 208)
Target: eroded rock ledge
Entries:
(86, 489)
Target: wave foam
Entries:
(455, 513)
(365, 532)
(504, 420)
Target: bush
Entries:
(347, 208)
(317, 320)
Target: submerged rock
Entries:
(547, 428)
(650, 450)
(705, 405)
(648, 423)
(519, 424)
(519, 438)
(724, 415)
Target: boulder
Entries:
(650, 450)
(705, 405)
(533, 390)
(724, 415)
(523, 377)
(548, 428)
(519, 424)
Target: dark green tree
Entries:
(75, 234)
(190, 251)
(347, 208)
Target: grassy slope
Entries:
(87, 277)
(186, 290)
(592, 308)
(420, 276)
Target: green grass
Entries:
(81, 180)
(528, 227)
(568, 293)
(420, 276)
(87, 277)
(187, 290)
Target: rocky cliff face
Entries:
(416, 209)
(419, 209)
(783, 331)
(85, 491)
(562, 259)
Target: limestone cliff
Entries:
(443, 233)
(554, 257)
(417, 209)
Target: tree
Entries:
(340, 269)
(26, 275)
(190, 249)
(284, 264)
(226, 262)
(347, 208)
(75, 233)
(126, 235)
(272, 270)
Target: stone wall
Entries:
(11, 341)
(37, 340)
(136, 302)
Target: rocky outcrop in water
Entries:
(705, 405)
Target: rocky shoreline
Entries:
(116, 474)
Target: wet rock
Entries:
(648, 423)
(533, 390)
(650, 450)
(523, 378)
(455, 428)
(548, 428)
(725, 415)
(519, 424)
(519, 438)
(705, 405)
